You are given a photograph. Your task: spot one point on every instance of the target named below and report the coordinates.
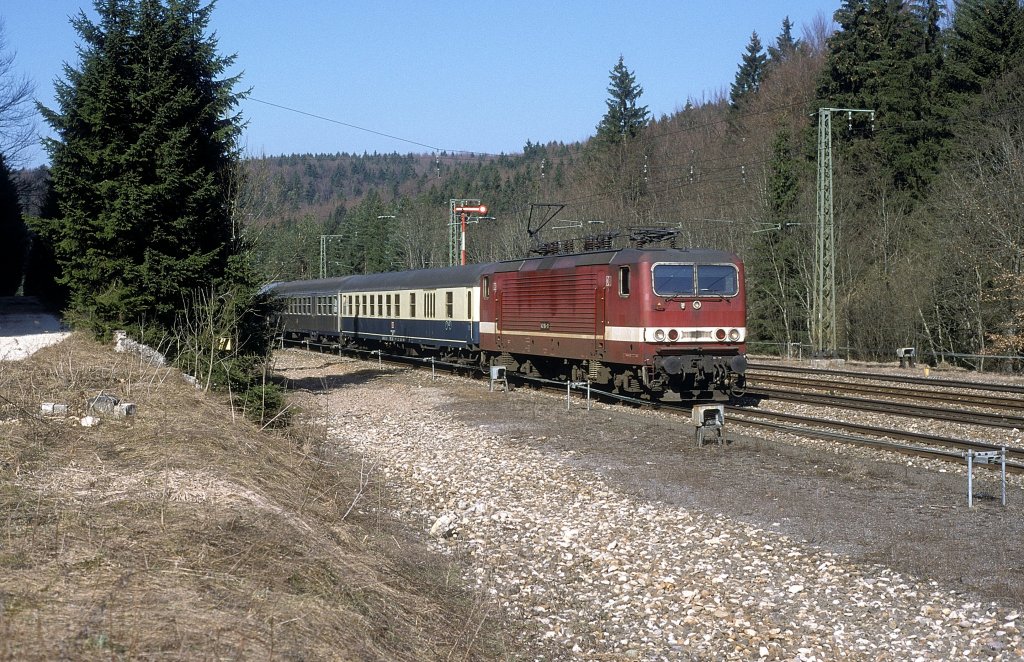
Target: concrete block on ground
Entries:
(101, 404)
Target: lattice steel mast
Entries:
(823, 311)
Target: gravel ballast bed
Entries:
(588, 568)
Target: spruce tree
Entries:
(146, 141)
(624, 118)
(774, 285)
(750, 73)
(616, 157)
(41, 268)
(13, 231)
(884, 58)
(785, 45)
(985, 42)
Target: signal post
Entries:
(461, 212)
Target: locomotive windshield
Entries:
(674, 280)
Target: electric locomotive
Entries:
(663, 323)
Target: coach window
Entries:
(412, 304)
(388, 299)
(623, 281)
(380, 305)
(449, 304)
(398, 305)
(469, 304)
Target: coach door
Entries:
(499, 297)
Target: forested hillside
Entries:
(926, 187)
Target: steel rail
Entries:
(890, 407)
(916, 437)
(919, 451)
(905, 379)
(972, 399)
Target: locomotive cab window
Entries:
(717, 280)
(623, 281)
(674, 280)
(487, 287)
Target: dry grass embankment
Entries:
(187, 533)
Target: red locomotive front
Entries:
(668, 323)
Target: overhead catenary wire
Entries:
(433, 148)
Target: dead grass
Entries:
(186, 533)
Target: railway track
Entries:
(756, 369)
(1005, 402)
(890, 407)
(874, 437)
(920, 445)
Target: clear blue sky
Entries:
(462, 75)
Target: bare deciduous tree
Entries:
(17, 112)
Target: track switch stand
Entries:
(710, 422)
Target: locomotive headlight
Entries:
(673, 335)
(734, 334)
(659, 335)
(720, 334)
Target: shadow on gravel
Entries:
(321, 384)
(748, 400)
